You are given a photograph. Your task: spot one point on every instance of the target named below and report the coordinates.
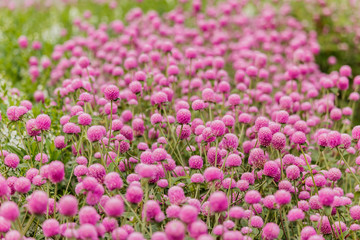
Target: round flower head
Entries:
(175, 230)
(217, 128)
(113, 181)
(176, 195)
(68, 205)
(256, 222)
(252, 197)
(9, 210)
(114, 207)
(278, 141)
(12, 160)
(355, 212)
(89, 215)
(292, 172)
(56, 171)
(295, 214)
(270, 231)
(188, 214)
(333, 174)
(257, 158)
(198, 105)
(298, 137)
(183, 116)
(333, 139)
(230, 141)
(218, 202)
(233, 160)
(326, 196)
(271, 169)
(22, 185)
(31, 128)
(307, 232)
(111, 92)
(265, 136)
(43, 122)
(37, 203)
(282, 197)
(195, 162)
(134, 194)
(96, 133)
(51, 227)
(197, 178)
(213, 174)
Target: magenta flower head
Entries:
(88, 215)
(356, 132)
(176, 195)
(31, 128)
(257, 157)
(114, 207)
(59, 142)
(175, 230)
(68, 206)
(292, 172)
(43, 122)
(265, 136)
(261, 122)
(217, 128)
(22, 185)
(56, 171)
(271, 169)
(113, 181)
(96, 133)
(334, 174)
(218, 202)
(252, 197)
(9, 210)
(282, 197)
(233, 160)
(355, 212)
(195, 162)
(111, 92)
(37, 202)
(278, 141)
(295, 214)
(298, 137)
(282, 117)
(270, 231)
(333, 139)
(12, 160)
(256, 222)
(326, 196)
(213, 174)
(134, 194)
(83, 62)
(183, 116)
(51, 227)
(230, 141)
(188, 214)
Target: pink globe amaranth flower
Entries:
(217, 128)
(257, 157)
(333, 174)
(271, 169)
(188, 214)
(56, 171)
(261, 122)
(120, 234)
(176, 195)
(43, 122)
(23, 41)
(68, 206)
(114, 207)
(41, 157)
(252, 197)
(278, 141)
(213, 174)
(326, 196)
(175, 230)
(51, 227)
(183, 116)
(39, 96)
(256, 222)
(198, 105)
(292, 172)
(333, 139)
(84, 119)
(71, 128)
(22, 185)
(84, 62)
(270, 231)
(9, 210)
(230, 141)
(59, 142)
(197, 178)
(88, 215)
(113, 181)
(282, 197)
(111, 92)
(298, 137)
(173, 211)
(265, 136)
(195, 162)
(134, 194)
(233, 160)
(11, 113)
(355, 212)
(87, 231)
(356, 132)
(295, 214)
(307, 232)
(37, 202)
(12, 160)
(31, 128)
(345, 71)
(96, 133)
(5, 225)
(218, 202)
(183, 131)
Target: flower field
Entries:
(171, 120)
